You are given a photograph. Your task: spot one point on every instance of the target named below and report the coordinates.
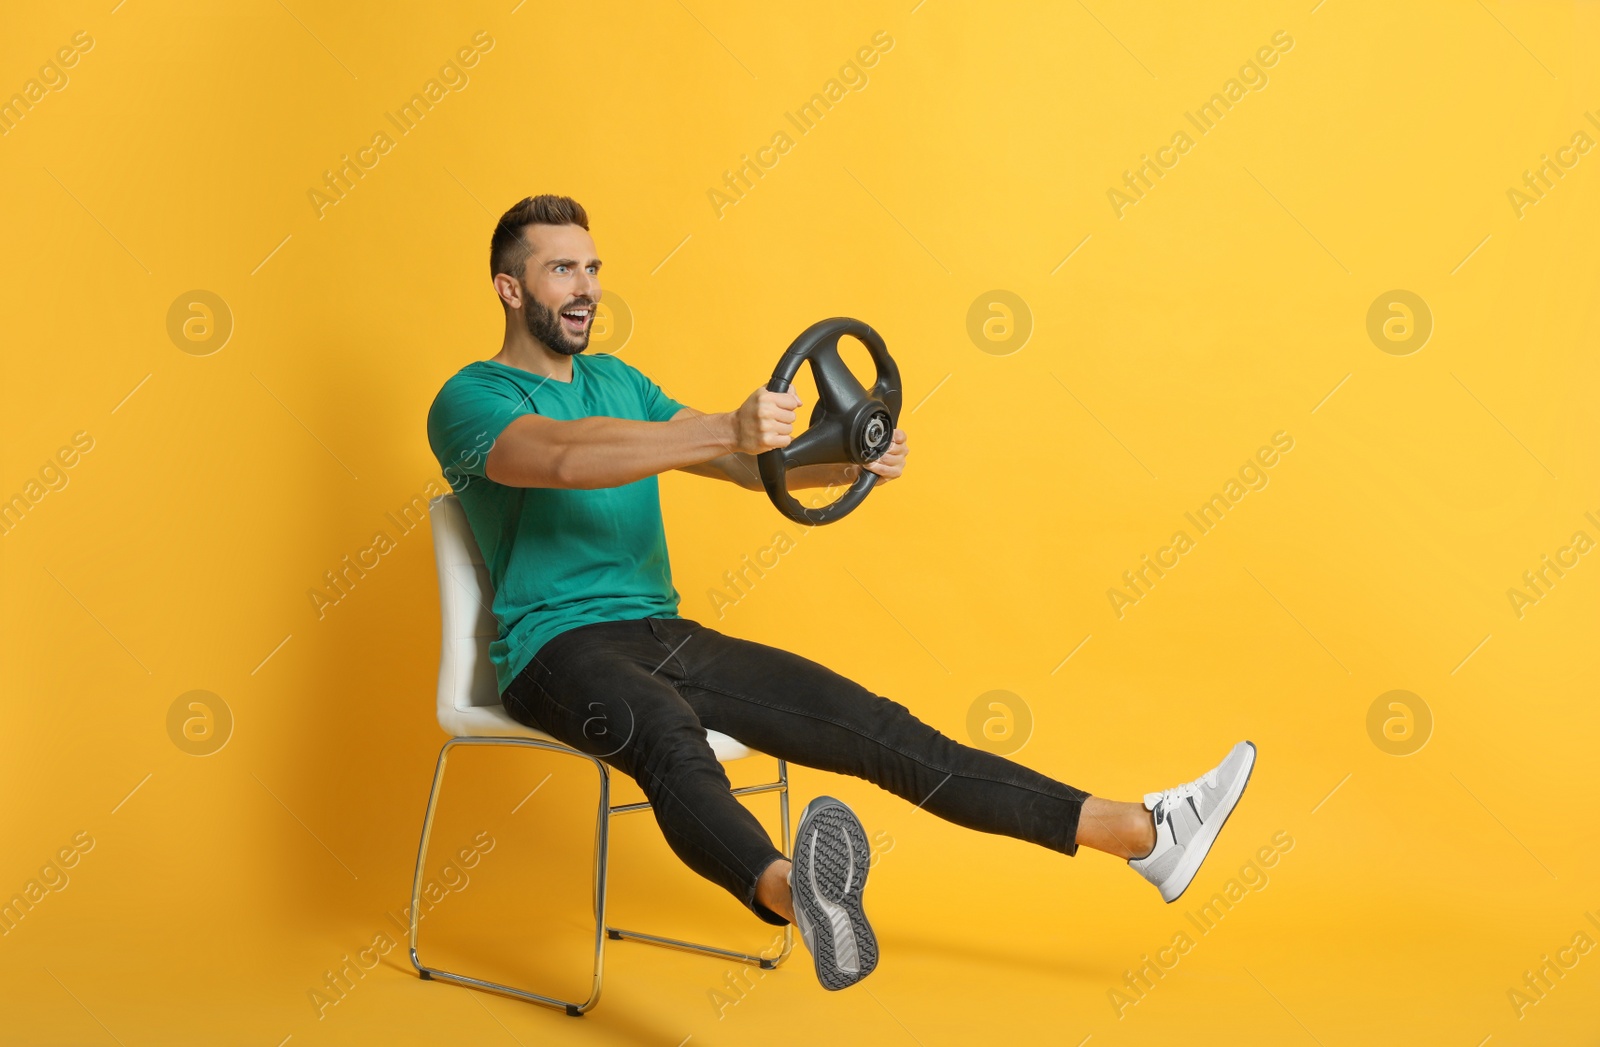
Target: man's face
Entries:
(561, 286)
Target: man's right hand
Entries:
(764, 421)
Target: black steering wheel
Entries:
(848, 423)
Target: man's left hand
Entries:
(893, 462)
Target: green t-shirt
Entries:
(558, 558)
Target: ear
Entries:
(509, 288)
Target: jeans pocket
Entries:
(673, 634)
(550, 700)
(515, 698)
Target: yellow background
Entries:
(1222, 308)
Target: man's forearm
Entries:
(599, 452)
(746, 471)
(828, 474)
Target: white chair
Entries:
(470, 711)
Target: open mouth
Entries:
(577, 317)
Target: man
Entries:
(554, 456)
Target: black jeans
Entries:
(641, 695)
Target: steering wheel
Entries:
(848, 423)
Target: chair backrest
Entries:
(466, 615)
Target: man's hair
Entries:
(509, 249)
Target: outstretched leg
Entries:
(796, 709)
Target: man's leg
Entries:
(597, 689)
(795, 709)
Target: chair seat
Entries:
(492, 721)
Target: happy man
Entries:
(592, 650)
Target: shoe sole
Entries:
(831, 851)
(1200, 846)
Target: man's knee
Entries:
(676, 749)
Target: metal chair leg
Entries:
(602, 859)
(602, 849)
(787, 839)
(766, 963)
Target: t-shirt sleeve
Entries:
(466, 418)
(658, 406)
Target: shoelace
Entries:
(1178, 793)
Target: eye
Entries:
(561, 268)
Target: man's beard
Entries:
(545, 325)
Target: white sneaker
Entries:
(1188, 819)
(826, 874)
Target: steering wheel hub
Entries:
(874, 437)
